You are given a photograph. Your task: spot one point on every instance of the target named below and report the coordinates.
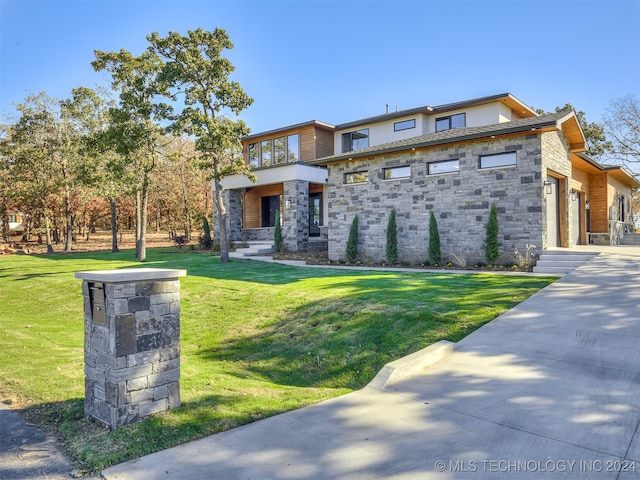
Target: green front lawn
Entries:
(257, 339)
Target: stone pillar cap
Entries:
(130, 274)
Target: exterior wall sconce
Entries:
(287, 204)
(547, 187)
(573, 194)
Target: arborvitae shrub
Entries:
(277, 234)
(392, 239)
(352, 242)
(434, 240)
(492, 249)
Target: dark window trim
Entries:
(506, 165)
(259, 143)
(363, 172)
(412, 122)
(454, 172)
(448, 118)
(384, 173)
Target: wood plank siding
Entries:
(252, 206)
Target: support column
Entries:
(296, 215)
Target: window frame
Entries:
(364, 174)
(397, 168)
(398, 128)
(348, 142)
(500, 165)
(256, 158)
(449, 119)
(441, 162)
(264, 151)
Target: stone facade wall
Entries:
(557, 159)
(296, 216)
(461, 202)
(132, 361)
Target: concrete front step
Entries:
(560, 262)
(254, 249)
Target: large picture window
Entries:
(274, 151)
(498, 160)
(458, 120)
(357, 140)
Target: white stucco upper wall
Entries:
(279, 174)
(383, 132)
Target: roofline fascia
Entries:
(435, 143)
(310, 123)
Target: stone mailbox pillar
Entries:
(131, 343)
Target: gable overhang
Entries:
(510, 101)
(588, 164)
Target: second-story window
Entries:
(266, 156)
(355, 140)
(279, 150)
(452, 121)
(404, 125)
(254, 155)
(293, 148)
(274, 151)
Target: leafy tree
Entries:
(196, 73)
(392, 238)
(622, 123)
(435, 255)
(277, 234)
(135, 128)
(492, 249)
(102, 168)
(40, 148)
(594, 132)
(352, 242)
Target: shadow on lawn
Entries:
(343, 341)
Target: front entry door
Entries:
(315, 214)
(553, 214)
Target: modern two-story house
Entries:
(455, 160)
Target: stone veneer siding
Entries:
(461, 202)
(556, 158)
(132, 364)
(296, 216)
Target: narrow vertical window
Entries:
(266, 153)
(293, 148)
(253, 155)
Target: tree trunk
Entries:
(48, 230)
(221, 214)
(114, 225)
(69, 219)
(142, 250)
(185, 201)
(138, 221)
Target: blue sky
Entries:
(339, 61)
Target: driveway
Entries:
(550, 389)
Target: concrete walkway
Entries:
(550, 389)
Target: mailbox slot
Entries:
(98, 308)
